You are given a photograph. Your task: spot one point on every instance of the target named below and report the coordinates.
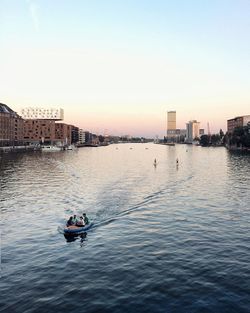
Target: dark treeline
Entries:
(212, 140)
(240, 138)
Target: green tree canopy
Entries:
(204, 140)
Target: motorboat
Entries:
(50, 148)
(71, 147)
(170, 144)
(76, 230)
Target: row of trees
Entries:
(240, 138)
(212, 140)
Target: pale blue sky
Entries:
(120, 65)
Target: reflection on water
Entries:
(70, 238)
(166, 238)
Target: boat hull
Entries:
(76, 230)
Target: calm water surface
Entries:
(165, 238)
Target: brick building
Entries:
(11, 127)
(63, 133)
(39, 131)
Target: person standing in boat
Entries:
(85, 218)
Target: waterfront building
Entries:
(63, 134)
(42, 113)
(171, 125)
(81, 136)
(40, 127)
(181, 135)
(49, 132)
(201, 131)
(38, 131)
(74, 134)
(11, 127)
(239, 121)
(192, 131)
(84, 137)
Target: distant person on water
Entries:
(70, 221)
(85, 218)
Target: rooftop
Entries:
(5, 109)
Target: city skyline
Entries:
(121, 67)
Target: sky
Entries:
(117, 67)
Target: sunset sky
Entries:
(119, 66)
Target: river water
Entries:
(166, 238)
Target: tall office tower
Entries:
(171, 125)
(193, 128)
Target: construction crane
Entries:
(208, 129)
(208, 133)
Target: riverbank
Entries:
(19, 149)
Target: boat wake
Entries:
(104, 207)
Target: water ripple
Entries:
(164, 239)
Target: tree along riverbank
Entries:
(239, 139)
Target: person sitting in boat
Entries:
(80, 222)
(74, 219)
(70, 221)
(85, 218)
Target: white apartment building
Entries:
(84, 136)
(42, 113)
(193, 128)
(81, 136)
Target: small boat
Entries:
(71, 147)
(76, 230)
(51, 148)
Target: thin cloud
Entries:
(33, 8)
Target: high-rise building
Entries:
(238, 121)
(192, 131)
(171, 125)
(42, 113)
